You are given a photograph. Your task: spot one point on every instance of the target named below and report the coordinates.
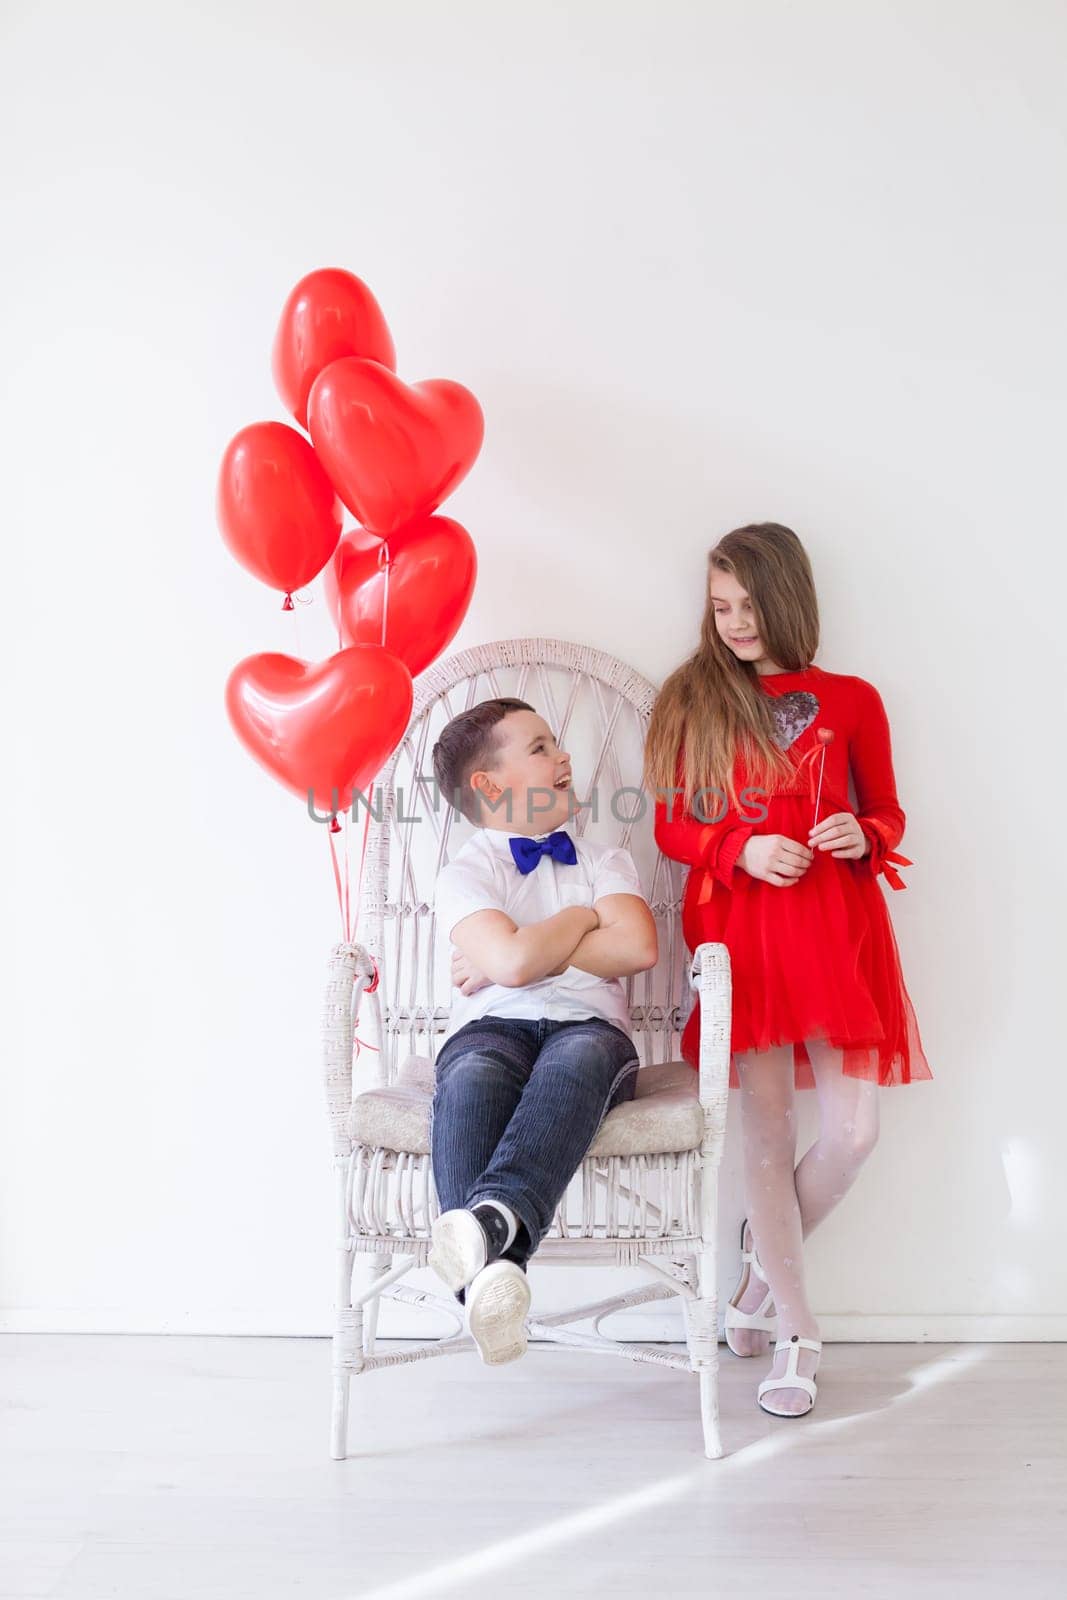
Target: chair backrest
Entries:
(599, 709)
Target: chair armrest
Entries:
(349, 970)
(709, 975)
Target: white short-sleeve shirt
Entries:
(483, 877)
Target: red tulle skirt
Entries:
(816, 960)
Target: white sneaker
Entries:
(460, 1248)
(497, 1302)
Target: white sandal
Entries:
(790, 1378)
(761, 1318)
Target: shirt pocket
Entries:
(575, 894)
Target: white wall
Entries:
(701, 263)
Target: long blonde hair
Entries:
(711, 708)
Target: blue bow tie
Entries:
(528, 852)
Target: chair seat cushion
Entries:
(664, 1115)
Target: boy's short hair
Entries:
(469, 742)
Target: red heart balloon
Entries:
(276, 508)
(330, 313)
(432, 566)
(391, 451)
(326, 726)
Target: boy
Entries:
(538, 1048)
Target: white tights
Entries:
(785, 1202)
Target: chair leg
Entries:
(709, 1413)
(702, 1337)
(378, 1266)
(347, 1352)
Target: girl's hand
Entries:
(775, 858)
(466, 977)
(842, 835)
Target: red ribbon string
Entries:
(348, 927)
(384, 561)
(347, 910)
(337, 881)
(359, 883)
(363, 1043)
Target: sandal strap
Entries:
(791, 1378)
(789, 1381)
(799, 1343)
(760, 1318)
(750, 1255)
(754, 1262)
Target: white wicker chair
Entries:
(646, 1194)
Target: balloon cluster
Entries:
(397, 586)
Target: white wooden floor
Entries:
(189, 1468)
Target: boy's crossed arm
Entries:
(610, 939)
(624, 942)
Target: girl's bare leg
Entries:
(768, 1132)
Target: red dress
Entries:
(818, 959)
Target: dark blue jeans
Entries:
(516, 1106)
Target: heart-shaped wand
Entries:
(825, 736)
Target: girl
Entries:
(750, 747)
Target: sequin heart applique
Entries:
(793, 712)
